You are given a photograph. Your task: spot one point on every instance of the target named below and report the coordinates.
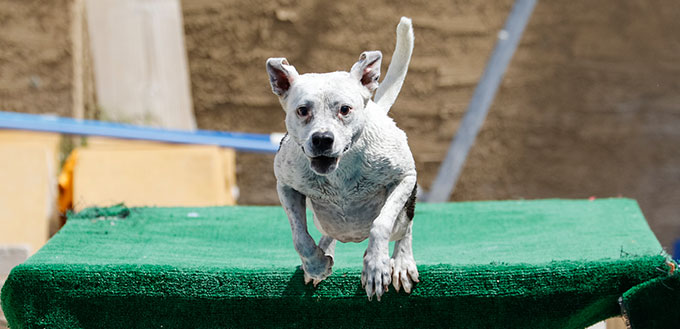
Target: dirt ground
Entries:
(35, 60)
(589, 106)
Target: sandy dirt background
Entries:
(35, 60)
(590, 105)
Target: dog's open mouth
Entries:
(323, 164)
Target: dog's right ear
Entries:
(281, 75)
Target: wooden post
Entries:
(140, 63)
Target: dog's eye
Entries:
(345, 109)
(302, 111)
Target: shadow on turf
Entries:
(336, 284)
(296, 285)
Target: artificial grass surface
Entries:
(510, 264)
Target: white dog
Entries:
(347, 156)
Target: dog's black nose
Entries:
(322, 141)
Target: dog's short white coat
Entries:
(362, 195)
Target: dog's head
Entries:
(325, 113)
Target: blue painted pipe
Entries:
(239, 141)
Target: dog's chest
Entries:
(345, 208)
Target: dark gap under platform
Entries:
(507, 264)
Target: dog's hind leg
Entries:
(404, 271)
(327, 244)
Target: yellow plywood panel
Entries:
(229, 163)
(95, 142)
(228, 157)
(177, 176)
(23, 137)
(11, 135)
(27, 193)
(616, 323)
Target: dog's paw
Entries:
(376, 274)
(317, 268)
(404, 272)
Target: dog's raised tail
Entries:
(389, 89)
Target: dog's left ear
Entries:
(367, 69)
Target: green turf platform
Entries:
(512, 264)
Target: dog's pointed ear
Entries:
(281, 75)
(367, 69)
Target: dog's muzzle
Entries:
(322, 159)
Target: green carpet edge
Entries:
(436, 280)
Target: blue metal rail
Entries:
(240, 141)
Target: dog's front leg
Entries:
(377, 272)
(316, 265)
